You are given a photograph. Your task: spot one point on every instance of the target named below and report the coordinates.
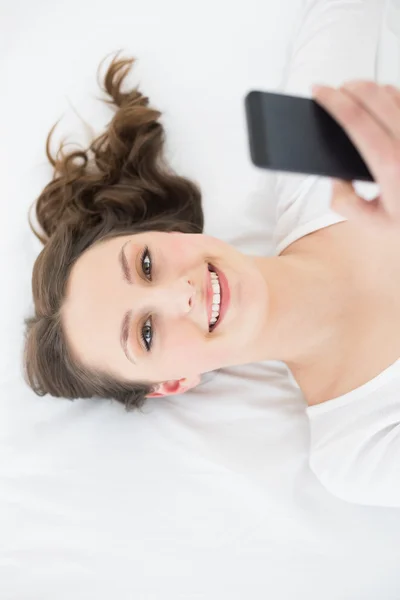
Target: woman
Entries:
(132, 301)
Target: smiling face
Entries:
(139, 307)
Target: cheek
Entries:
(188, 353)
(185, 249)
(179, 248)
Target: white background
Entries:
(207, 496)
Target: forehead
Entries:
(90, 311)
(93, 272)
(105, 250)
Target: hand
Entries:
(370, 115)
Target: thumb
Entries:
(348, 203)
(344, 199)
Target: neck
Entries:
(303, 313)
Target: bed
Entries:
(208, 495)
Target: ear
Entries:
(177, 386)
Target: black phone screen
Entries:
(290, 133)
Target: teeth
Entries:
(215, 284)
(216, 299)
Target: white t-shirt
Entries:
(355, 438)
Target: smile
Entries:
(218, 295)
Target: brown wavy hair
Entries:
(119, 185)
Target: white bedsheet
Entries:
(204, 496)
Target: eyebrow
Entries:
(125, 325)
(124, 264)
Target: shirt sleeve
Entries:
(335, 41)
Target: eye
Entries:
(146, 263)
(147, 334)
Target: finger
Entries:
(378, 101)
(377, 147)
(367, 134)
(394, 92)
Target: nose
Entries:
(173, 298)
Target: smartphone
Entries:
(290, 133)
